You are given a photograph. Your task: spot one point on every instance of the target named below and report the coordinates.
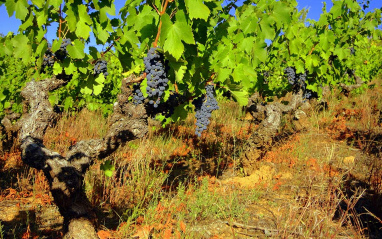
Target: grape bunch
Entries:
(302, 80)
(138, 97)
(298, 82)
(62, 52)
(101, 67)
(352, 51)
(48, 60)
(291, 74)
(307, 94)
(204, 106)
(156, 70)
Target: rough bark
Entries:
(65, 174)
(270, 118)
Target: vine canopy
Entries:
(241, 48)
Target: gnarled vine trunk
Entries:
(269, 117)
(65, 174)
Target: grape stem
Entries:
(156, 9)
(107, 50)
(155, 44)
(109, 47)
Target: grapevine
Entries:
(244, 53)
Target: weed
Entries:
(1, 231)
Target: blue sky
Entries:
(11, 24)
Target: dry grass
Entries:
(175, 185)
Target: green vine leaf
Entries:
(57, 68)
(241, 97)
(172, 35)
(197, 9)
(20, 7)
(82, 30)
(76, 51)
(21, 47)
(108, 168)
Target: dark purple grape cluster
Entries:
(138, 97)
(101, 67)
(302, 80)
(291, 74)
(62, 52)
(156, 70)
(307, 94)
(204, 106)
(48, 60)
(298, 82)
(352, 51)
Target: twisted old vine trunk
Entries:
(65, 174)
(269, 117)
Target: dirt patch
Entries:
(263, 175)
(19, 216)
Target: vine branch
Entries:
(109, 47)
(137, 80)
(59, 29)
(164, 7)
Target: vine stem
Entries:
(313, 48)
(164, 7)
(107, 50)
(59, 29)
(211, 78)
(137, 80)
(176, 88)
(109, 47)
(155, 44)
